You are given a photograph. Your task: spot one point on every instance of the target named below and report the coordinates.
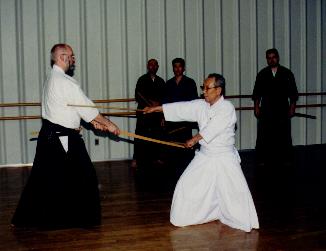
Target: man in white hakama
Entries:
(213, 186)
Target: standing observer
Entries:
(148, 92)
(62, 190)
(179, 88)
(274, 95)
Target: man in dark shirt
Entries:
(149, 92)
(275, 95)
(179, 88)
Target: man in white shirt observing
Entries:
(62, 190)
(213, 186)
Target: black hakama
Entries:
(62, 190)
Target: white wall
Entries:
(113, 39)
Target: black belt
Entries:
(58, 130)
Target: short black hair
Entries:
(180, 61)
(152, 59)
(272, 51)
(219, 81)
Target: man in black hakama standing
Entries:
(148, 92)
(179, 88)
(62, 190)
(275, 95)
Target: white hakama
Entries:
(213, 186)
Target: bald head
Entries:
(63, 56)
(57, 50)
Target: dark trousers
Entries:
(274, 142)
(62, 190)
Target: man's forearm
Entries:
(292, 109)
(100, 119)
(193, 141)
(257, 107)
(101, 123)
(153, 109)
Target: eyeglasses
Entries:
(71, 56)
(207, 88)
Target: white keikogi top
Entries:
(216, 122)
(60, 90)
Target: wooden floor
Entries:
(290, 202)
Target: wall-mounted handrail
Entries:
(19, 104)
(132, 114)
